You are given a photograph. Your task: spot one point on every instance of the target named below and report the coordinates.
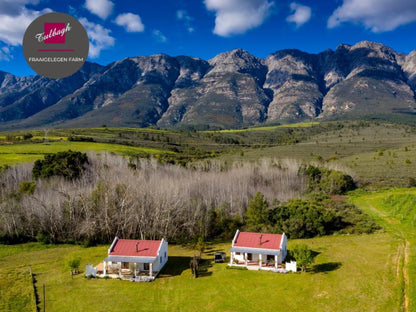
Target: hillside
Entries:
(375, 153)
(232, 90)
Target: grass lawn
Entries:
(395, 210)
(351, 273)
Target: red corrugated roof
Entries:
(252, 240)
(127, 247)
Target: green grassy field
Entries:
(268, 128)
(16, 153)
(351, 273)
(395, 210)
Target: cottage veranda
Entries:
(139, 260)
(258, 251)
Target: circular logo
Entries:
(55, 45)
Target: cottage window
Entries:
(146, 266)
(237, 253)
(125, 265)
(160, 260)
(165, 254)
(249, 256)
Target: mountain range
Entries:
(232, 90)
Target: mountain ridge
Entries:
(234, 89)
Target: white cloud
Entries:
(377, 15)
(5, 54)
(159, 36)
(131, 22)
(183, 15)
(99, 36)
(101, 8)
(14, 7)
(301, 14)
(15, 18)
(237, 16)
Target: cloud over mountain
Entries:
(101, 8)
(131, 22)
(301, 14)
(237, 16)
(99, 36)
(376, 15)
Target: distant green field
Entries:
(395, 210)
(351, 273)
(374, 153)
(15, 153)
(380, 155)
(268, 128)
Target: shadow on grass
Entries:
(203, 269)
(326, 267)
(212, 252)
(175, 266)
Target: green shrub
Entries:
(67, 164)
(73, 263)
(327, 181)
(27, 136)
(301, 218)
(236, 268)
(27, 187)
(303, 256)
(44, 237)
(320, 215)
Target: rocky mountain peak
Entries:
(239, 61)
(234, 89)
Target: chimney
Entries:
(137, 247)
(261, 236)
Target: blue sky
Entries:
(204, 28)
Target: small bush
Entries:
(44, 238)
(73, 264)
(236, 268)
(27, 187)
(411, 182)
(27, 136)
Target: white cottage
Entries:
(135, 259)
(258, 251)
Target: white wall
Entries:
(283, 248)
(291, 266)
(157, 264)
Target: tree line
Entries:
(74, 197)
(148, 200)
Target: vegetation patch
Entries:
(69, 165)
